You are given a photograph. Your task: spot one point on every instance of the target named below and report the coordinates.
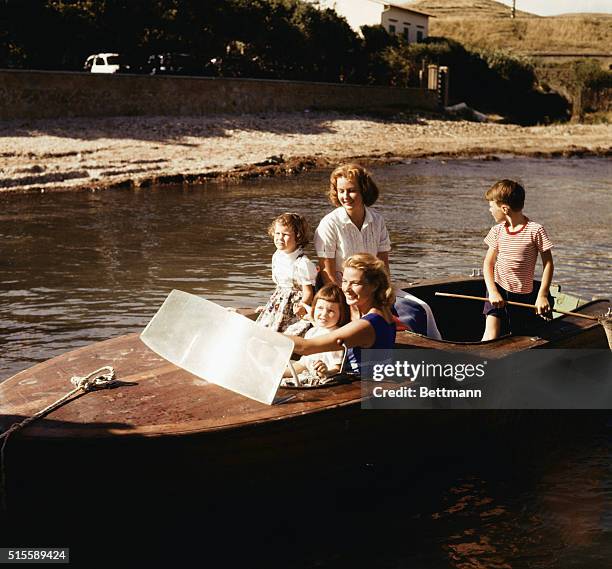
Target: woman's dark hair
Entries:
(331, 292)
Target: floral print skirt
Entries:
(278, 313)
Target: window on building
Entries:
(406, 33)
(419, 35)
(391, 29)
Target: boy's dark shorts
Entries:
(517, 319)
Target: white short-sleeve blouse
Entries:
(337, 237)
(289, 269)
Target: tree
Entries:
(586, 75)
(377, 43)
(331, 48)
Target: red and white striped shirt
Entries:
(517, 253)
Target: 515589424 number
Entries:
(34, 555)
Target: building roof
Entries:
(403, 6)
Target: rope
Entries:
(95, 380)
(606, 322)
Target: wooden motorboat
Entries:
(161, 421)
(155, 398)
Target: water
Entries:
(523, 499)
(76, 268)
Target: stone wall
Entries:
(43, 94)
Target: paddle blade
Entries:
(219, 346)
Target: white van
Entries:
(103, 63)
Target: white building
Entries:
(395, 17)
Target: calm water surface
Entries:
(76, 268)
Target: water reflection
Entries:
(76, 268)
(547, 512)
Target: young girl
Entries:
(292, 272)
(329, 311)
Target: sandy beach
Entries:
(86, 153)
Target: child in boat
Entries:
(509, 265)
(329, 311)
(292, 272)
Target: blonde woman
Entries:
(369, 295)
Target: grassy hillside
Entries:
(575, 35)
(465, 8)
(484, 23)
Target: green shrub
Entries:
(588, 73)
(489, 80)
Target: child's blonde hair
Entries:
(297, 223)
(331, 292)
(375, 273)
(358, 175)
(507, 192)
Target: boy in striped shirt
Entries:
(509, 265)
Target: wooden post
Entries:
(432, 77)
(443, 85)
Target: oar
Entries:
(515, 304)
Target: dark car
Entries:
(175, 64)
(237, 65)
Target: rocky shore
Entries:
(123, 152)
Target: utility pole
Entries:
(513, 15)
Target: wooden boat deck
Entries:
(154, 397)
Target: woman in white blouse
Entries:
(353, 227)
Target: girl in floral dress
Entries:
(292, 272)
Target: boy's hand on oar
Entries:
(542, 307)
(496, 299)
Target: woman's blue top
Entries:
(385, 339)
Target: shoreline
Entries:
(85, 154)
